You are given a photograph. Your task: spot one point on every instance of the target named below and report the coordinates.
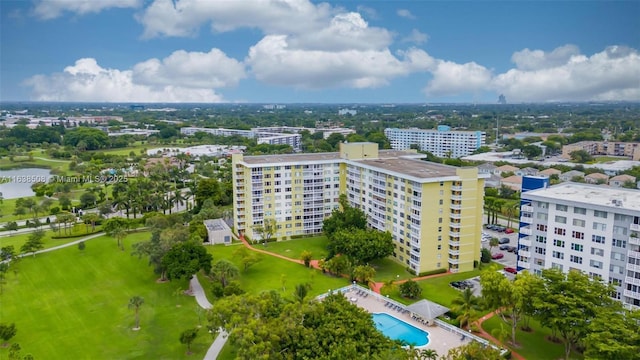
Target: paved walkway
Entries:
(201, 299)
(486, 335)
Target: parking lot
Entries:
(509, 259)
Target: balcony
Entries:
(634, 240)
(524, 241)
(456, 216)
(456, 206)
(630, 280)
(525, 265)
(455, 235)
(524, 253)
(454, 243)
(454, 261)
(456, 197)
(454, 252)
(526, 231)
(631, 294)
(456, 188)
(634, 254)
(526, 208)
(634, 227)
(526, 220)
(633, 267)
(455, 225)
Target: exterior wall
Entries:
(628, 149)
(358, 151)
(601, 241)
(441, 142)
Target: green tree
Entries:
(466, 305)
(185, 259)
(493, 242)
(187, 337)
(81, 246)
(11, 226)
(410, 289)
(246, 257)
(301, 291)
(306, 257)
(266, 230)
(361, 245)
(568, 303)
(7, 332)
(345, 217)
(581, 156)
(34, 243)
(338, 265)
(531, 151)
(364, 274)
(613, 334)
(500, 293)
(474, 351)
(7, 252)
(485, 255)
(135, 303)
(224, 271)
(116, 227)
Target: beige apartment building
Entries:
(611, 148)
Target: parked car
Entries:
(511, 270)
(512, 249)
(499, 228)
(504, 247)
(509, 231)
(504, 240)
(497, 256)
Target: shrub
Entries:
(433, 272)
(410, 289)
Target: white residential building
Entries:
(263, 137)
(593, 229)
(441, 142)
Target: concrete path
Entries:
(201, 299)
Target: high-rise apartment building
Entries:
(589, 228)
(433, 211)
(441, 142)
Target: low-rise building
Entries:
(620, 180)
(596, 178)
(610, 148)
(218, 232)
(569, 175)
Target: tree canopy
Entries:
(346, 217)
(361, 245)
(183, 260)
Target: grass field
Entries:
(387, 269)
(294, 248)
(437, 289)
(271, 273)
(18, 240)
(69, 304)
(532, 345)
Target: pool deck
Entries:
(441, 340)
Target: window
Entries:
(541, 227)
(558, 255)
(561, 207)
(575, 259)
(599, 226)
(620, 243)
(542, 216)
(616, 269)
(598, 239)
(558, 243)
(595, 276)
(543, 205)
(559, 231)
(439, 247)
(620, 217)
(541, 239)
(556, 266)
(578, 222)
(597, 252)
(620, 230)
(595, 264)
(540, 250)
(600, 214)
(617, 256)
(577, 235)
(579, 210)
(577, 247)
(561, 219)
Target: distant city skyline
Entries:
(300, 51)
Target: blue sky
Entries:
(291, 51)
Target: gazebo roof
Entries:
(427, 309)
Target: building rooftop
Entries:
(415, 168)
(599, 195)
(306, 157)
(215, 224)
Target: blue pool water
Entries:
(397, 329)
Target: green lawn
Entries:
(388, 269)
(69, 304)
(18, 240)
(532, 345)
(269, 273)
(438, 289)
(294, 248)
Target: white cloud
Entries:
(274, 62)
(450, 78)
(369, 12)
(405, 14)
(416, 37)
(346, 31)
(180, 77)
(611, 74)
(190, 69)
(538, 59)
(50, 9)
(184, 17)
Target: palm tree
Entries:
(389, 286)
(493, 242)
(135, 303)
(428, 354)
(223, 271)
(466, 306)
(497, 207)
(301, 291)
(178, 199)
(488, 207)
(511, 210)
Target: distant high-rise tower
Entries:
(502, 99)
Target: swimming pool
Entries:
(397, 329)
